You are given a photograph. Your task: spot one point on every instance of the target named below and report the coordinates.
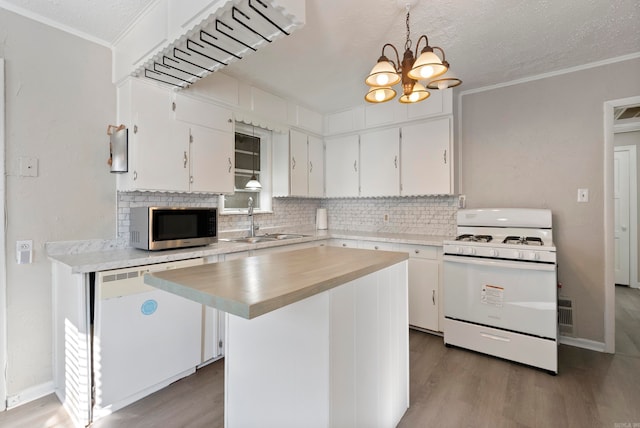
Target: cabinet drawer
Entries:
(420, 251)
(346, 243)
(373, 245)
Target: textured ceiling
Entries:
(323, 65)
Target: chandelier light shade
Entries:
(380, 95)
(428, 67)
(447, 80)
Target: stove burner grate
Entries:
(474, 238)
(528, 240)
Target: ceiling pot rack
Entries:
(239, 28)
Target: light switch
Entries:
(583, 195)
(24, 252)
(28, 167)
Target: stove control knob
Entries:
(472, 251)
(519, 254)
(493, 253)
(459, 250)
(534, 256)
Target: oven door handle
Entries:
(509, 264)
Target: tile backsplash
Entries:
(427, 215)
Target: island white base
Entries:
(336, 359)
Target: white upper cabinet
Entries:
(211, 162)
(425, 153)
(342, 161)
(155, 158)
(316, 167)
(380, 163)
(176, 145)
(368, 116)
(203, 113)
(304, 157)
(298, 164)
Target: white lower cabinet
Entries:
(425, 279)
(424, 286)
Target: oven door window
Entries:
(514, 296)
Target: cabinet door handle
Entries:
(417, 251)
(375, 247)
(433, 297)
(185, 160)
(191, 179)
(310, 166)
(355, 165)
(293, 163)
(395, 162)
(230, 164)
(135, 175)
(173, 106)
(135, 129)
(444, 156)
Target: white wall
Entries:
(59, 101)
(533, 145)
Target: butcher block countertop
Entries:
(253, 286)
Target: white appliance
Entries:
(500, 285)
(144, 338)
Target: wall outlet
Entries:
(462, 201)
(28, 167)
(386, 218)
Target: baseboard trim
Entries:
(592, 345)
(29, 394)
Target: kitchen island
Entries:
(315, 337)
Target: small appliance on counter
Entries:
(321, 219)
(161, 228)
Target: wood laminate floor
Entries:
(449, 387)
(627, 321)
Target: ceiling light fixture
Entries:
(427, 67)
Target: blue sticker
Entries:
(149, 307)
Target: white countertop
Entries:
(95, 261)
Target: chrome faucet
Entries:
(252, 231)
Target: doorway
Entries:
(3, 255)
(611, 128)
(625, 197)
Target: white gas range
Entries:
(500, 285)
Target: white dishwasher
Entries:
(143, 339)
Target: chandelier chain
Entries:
(407, 44)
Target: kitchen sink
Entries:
(283, 235)
(269, 237)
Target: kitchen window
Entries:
(252, 156)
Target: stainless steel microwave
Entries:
(161, 228)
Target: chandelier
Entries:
(428, 67)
